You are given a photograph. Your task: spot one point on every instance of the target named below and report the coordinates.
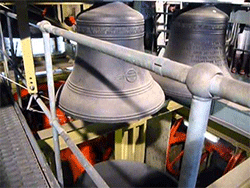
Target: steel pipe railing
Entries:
(51, 114)
(52, 101)
(161, 66)
(231, 89)
(14, 16)
(198, 119)
(203, 80)
(56, 126)
(97, 179)
(13, 56)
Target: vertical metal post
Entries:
(51, 91)
(10, 38)
(13, 55)
(198, 119)
(5, 62)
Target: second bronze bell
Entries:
(196, 36)
(102, 88)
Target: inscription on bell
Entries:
(199, 26)
(97, 30)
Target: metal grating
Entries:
(18, 164)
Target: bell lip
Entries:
(153, 107)
(114, 117)
(117, 119)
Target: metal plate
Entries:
(18, 164)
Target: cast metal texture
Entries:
(196, 36)
(232, 116)
(102, 88)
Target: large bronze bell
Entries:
(196, 36)
(102, 88)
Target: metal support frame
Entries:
(237, 177)
(203, 80)
(23, 25)
(130, 141)
(161, 23)
(5, 62)
(52, 101)
(13, 56)
(204, 85)
(96, 178)
(198, 119)
(237, 2)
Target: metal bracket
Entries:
(23, 26)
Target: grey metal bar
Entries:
(15, 68)
(161, 66)
(51, 91)
(198, 118)
(18, 89)
(5, 62)
(14, 16)
(96, 178)
(11, 38)
(231, 89)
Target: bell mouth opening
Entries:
(112, 120)
(117, 109)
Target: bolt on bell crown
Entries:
(105, 89)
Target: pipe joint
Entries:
(42, 25)
(199, 79)
(57, 126)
